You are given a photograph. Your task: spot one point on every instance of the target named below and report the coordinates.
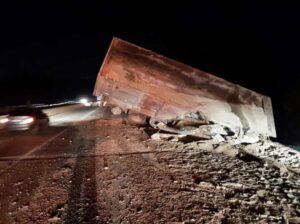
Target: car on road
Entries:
(23, 119)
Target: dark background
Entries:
(51, 51)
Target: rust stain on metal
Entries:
(141, 80)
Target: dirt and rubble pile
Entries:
(196, 181)
(115, 173)
(242, 187)
(150, 181)
(226, 139)
(244, 192)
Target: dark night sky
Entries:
(52, 51)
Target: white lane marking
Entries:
(22, 157)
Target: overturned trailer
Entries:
(140, 80)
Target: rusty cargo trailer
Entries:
(138, 79)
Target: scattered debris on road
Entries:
(141, 180)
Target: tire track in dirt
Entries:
(81, 205)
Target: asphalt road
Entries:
(18, 148)
(73, 117)
(15, 145)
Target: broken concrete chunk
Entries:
(261, 193)
(173, 137)
(135, 118)
(116, 110)
(207, 145)
(206, 131)
(249, 138)
(202, 132)
(206, 185)
(195, 116)
(228, 149)
(218, 138)
(215, 129)
(192, 119)
(163, 137)
(233, 185)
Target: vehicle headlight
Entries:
(83, 100)
(4, 120)
(28, 120)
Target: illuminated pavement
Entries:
(23, 143)
(105, 171)
(73, 117)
